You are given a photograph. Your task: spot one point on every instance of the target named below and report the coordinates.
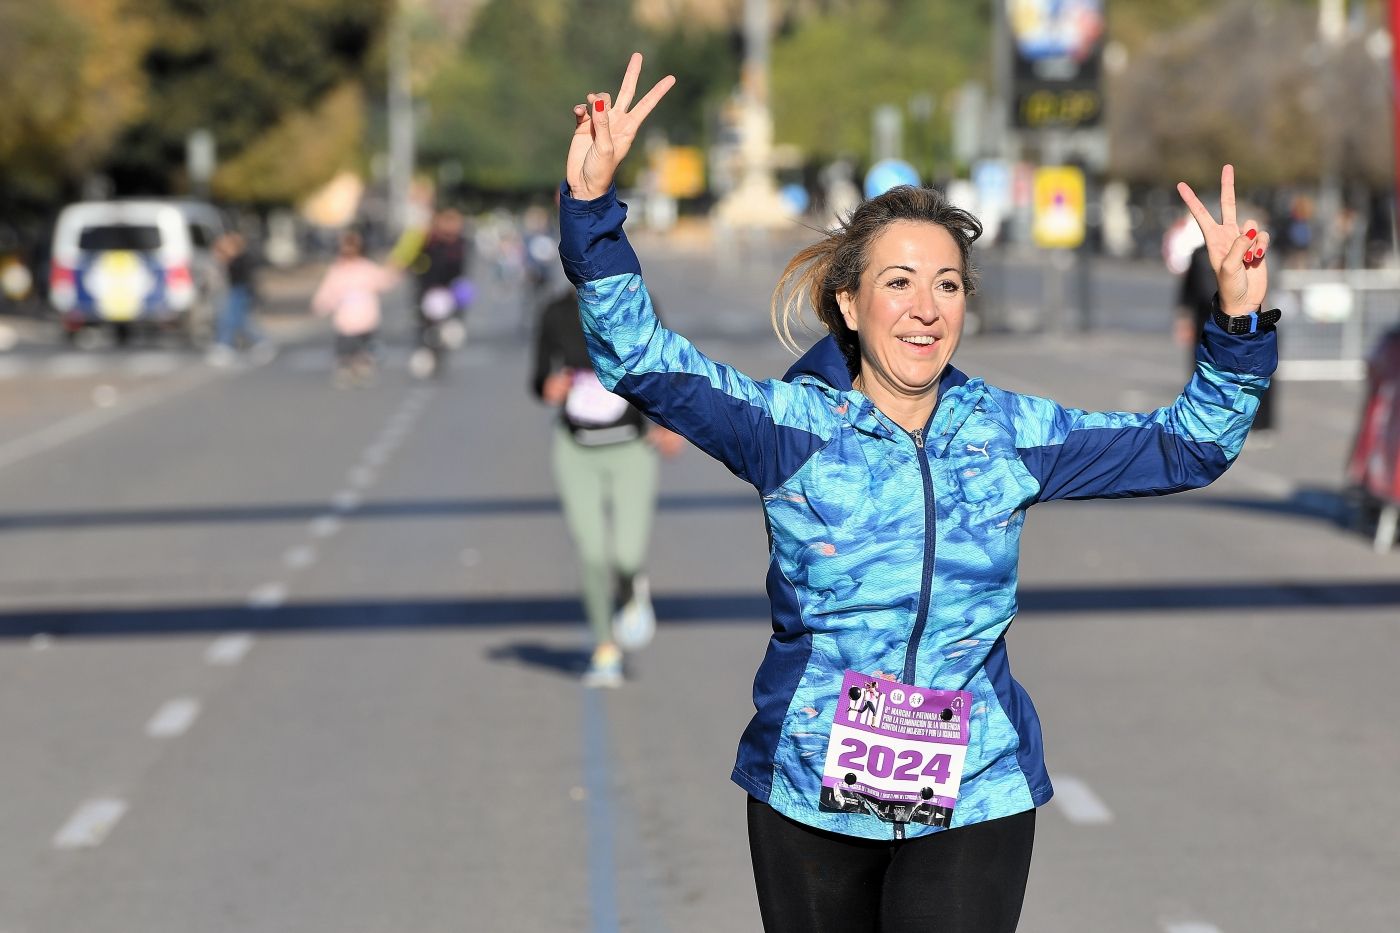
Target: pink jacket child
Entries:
(350, 294)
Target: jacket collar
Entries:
(824, 363)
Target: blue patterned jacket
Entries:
(894, 552)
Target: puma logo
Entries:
(980, 450)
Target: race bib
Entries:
(896, 751)
(588, 404)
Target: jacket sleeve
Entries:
(1075, 454)
(762, 431)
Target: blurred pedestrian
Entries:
(605, 464)
(440, 263)
(349, 295)
(1195, 305)
(872, 456)
(235, 329)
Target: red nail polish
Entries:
(1248, 258)
(598, 106)
(1251, 233)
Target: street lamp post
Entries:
(401, 129)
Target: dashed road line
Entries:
(298, 557)
(228, 650)
(90, 823)
(347, 500)
(323, 526)
(1190, 928)
(267, 596)
(361, 476)
(1080, 804)
(173, 719)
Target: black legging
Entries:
(966, 880)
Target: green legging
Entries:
(590, 480)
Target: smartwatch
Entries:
(1240, 324)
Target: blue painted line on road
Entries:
(602, 862)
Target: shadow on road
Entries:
(733, 608)
(305, 511)
(568, 662)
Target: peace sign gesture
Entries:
(604, 130)
(1236, 255)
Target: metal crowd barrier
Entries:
(1333, 319)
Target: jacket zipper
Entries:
(911, 651)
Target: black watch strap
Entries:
(1250, 323)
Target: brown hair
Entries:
(835, 262)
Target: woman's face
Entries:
(908, 310)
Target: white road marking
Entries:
(90, 823)
(152, 364)
(74, 366)
(228, 650)
(11, 367)
(347, 500)
(360, 477)
(173, 719)
(1080, 804)
(267, 596)
(302, 555)
(41, 641)
(376, 455)
(1190, 928)
(75, 426)
(323, 526)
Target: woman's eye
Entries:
(897, 283)
(950, 287)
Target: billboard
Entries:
(1057, 58)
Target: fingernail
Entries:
(1259, 255)
(598, 106)
(1248, 257)
(1251, 233)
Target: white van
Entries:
(139, 263)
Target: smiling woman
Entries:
(893, 765)
(891, 287)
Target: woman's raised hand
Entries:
(605, 129)
(1236, 251)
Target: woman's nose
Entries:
(925, 309)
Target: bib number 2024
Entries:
(881, 761)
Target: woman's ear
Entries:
(846, 302)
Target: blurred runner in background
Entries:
(349, 296)
(604, 461)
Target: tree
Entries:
(502, 108)
(72, 78)
(831, 71)
(1249, 83)
(242, 69)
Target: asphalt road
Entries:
(280, 657)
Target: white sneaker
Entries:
(634, 625)
(605, 668)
